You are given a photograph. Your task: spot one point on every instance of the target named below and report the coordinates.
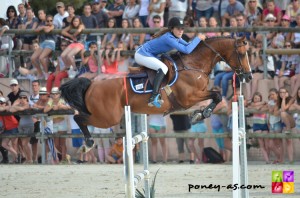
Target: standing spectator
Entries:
(235, 7)
(5, 41)
(157, 124)
(34, 98)
(12, 17)
(156, 7)
(61, 14)
(3, 151)
(143, 11)
(22, 18)
(30, 24)
(67, 20)
(89, 21)
(284, 103)
(15, 91)
(60, 70)
(218, 122)
(292, 11)
(204, 8)
(40, 104)
(181, 124)
(104, 144)
(110, 37)
(78, 41)
(99, 13)
(275, 125)
(296, 35)
(47, 46)
(178, 8)
(59, 121)
(116, 11)
(296, 107)
(272, 9)
(253, 12)
(26, 125)
(136, 39)
(131, 10)
(10, 124)
(287, 69)
(260, 124)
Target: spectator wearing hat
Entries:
(274, 10)
(15, 91)
(26, 125)
(10, 127)
(61, 14)
(100, 14)
(59, 121)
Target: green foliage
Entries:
(49, 5)
(139, 194)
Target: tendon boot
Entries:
(155, 99)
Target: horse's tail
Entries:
(74, 91)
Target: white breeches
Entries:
(150, 62)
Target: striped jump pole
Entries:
(132, 181)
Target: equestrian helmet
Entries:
(175, 22)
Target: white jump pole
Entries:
(235, 150)
(128, 156)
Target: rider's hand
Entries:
(201, 36)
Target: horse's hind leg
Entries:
(80, 120)
(199, 115)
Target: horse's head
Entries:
(238, 60)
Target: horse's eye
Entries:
(245, 42)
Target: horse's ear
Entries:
(241, 39)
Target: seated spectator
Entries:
(296, 107)
(5, 41)
(253, 12)
(26, 125)
(123, 60)
(9, 127)
(60, 70)
(204, 8)
(78, 41)
(233, 9)
(272, 9)
(287, 69)
(115, 155)
(157, 124)
(188, 22)
(213, 24)
(47, 46)
(136, 39)
(222, 78)
(109, 37)
(260, 124)
(125, 37)
(89, 67)
(284, 103)
(240, 19)
(295, 80)
(67, 20)
(12, 17)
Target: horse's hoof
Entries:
(196, 118)
(89, 143)
(207, 113)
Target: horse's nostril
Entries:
(250, 77)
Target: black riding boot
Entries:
(155, 97)
(4, 153)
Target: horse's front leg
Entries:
(80, 120)
(200, 114)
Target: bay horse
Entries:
(101, 103)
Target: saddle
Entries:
(141, 78)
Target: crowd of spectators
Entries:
(55, 55)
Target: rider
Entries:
(164, 41)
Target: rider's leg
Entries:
(161, 68)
